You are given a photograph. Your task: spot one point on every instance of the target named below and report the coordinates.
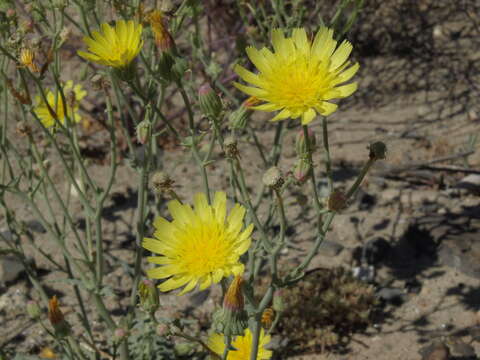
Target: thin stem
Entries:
(318, 206)
(326, 149)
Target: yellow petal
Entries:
(308, 116)
(253, 91)
(284, 114)
(326, 108)
(173, 283)
(246, 75)
(220, 206)
(340, 55)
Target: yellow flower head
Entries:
(56, 110)
(200, 246)
(116, 46)
(300, 76)
(242, 344)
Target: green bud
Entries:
(184, 348)
(179, 68)
(301, 144)
(143, 131)
(278, 303)
(302, 170)
(148, 294)
(33, 310)
(209, 102)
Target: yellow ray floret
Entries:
(57, 111)
(300, 76)
(114, 46)
(200, 246)
(242, 344)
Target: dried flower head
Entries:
(273, 178)
(337, 201)
(159, 27)
(299, 77)
(114, 46)
(27, 59)
(200, 246)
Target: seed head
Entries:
(273, 178)
(337, 201)
(378, 151)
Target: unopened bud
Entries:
(278, 303)
(238, 118)
(148, 294)
(301, 144)
(33, 310)
(302, 170)
(143, 131)
(119, 334)
(378, 151)
(163, 330)
(273, 178)
(161, 182)
(11, 13)
(231, 148)
(337, 201)
(184, 349)
(209, 102)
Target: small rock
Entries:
(10, 268)
(459, 348)
(435, 351)
(330, 248)
(36, 226)
(472, 114)
(364, 273)
(390, 195)
(392, 295)
(470, 183)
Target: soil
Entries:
(411, 223)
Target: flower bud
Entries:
(378, 151)
(56, 318)
(267, 317)
(232, 319)
(33, 310)
(143, 131)
(231, 149)
(278, 303)
(161, 182)
(184, 349)
(148, 294)
(273, 178)
(119, 334)
(165, 65)
(10, 13)
(238, 118)
(302, 170)
(163, 330)
(301, 144)
(209, 102)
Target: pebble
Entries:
(36, 226)
(10, 268)
(331, 248)
(435, 351)
(392, 295)
(470, 182)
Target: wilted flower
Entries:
(27, 59)
(200, 246)
(158, 23)
(56, 318)
(300, 76)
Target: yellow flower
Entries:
(117, 46)
(200, 246)
(242, 344)
(56, 109)
(300, 76)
